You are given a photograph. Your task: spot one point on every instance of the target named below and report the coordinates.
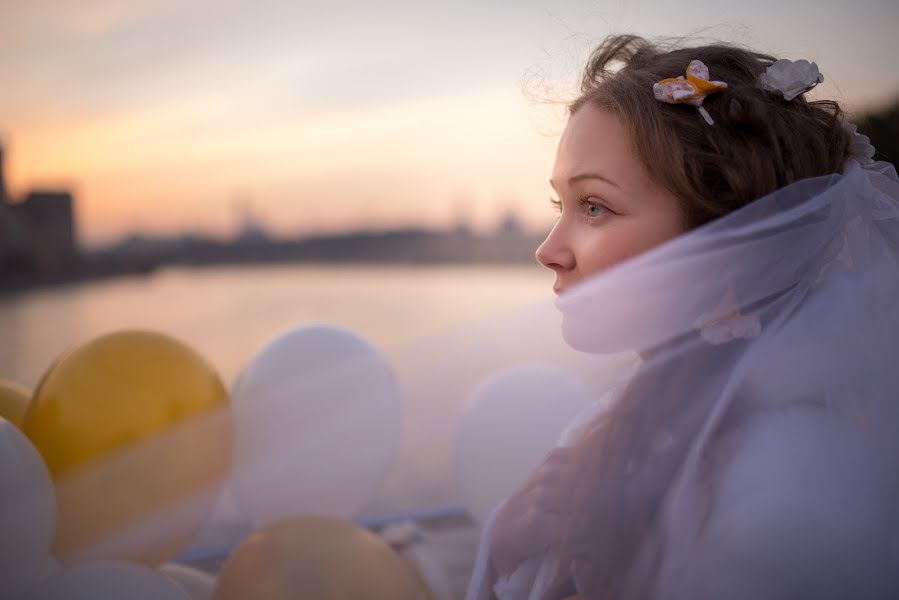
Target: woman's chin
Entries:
(585, 332)
(580, 336)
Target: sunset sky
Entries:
(166, 116)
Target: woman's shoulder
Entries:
(809, 457)
(803, 506)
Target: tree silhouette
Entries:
(883, 128)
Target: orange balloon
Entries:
(324, 558)
(136, 432)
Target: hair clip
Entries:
(693, 89)
(790, 78)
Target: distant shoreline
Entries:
(139, 256)
(12, 285)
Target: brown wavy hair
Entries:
(759, 143)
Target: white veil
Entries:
(792, 299)
(796, 242)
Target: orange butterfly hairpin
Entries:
(693, 89)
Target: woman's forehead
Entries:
(594, 139)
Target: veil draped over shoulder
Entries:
(766, 450)
(752, 452)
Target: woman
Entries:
(741, 239)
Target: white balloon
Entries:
(513, 419)
(197, 584)
(108, 580)
(27, 512)
(318, 420)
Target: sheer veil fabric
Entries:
(770, 346)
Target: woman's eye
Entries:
(593, 209)
(556, 204)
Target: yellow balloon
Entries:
(13, 401)
(325, 558)
(136, 432)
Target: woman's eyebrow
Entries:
(576, 178)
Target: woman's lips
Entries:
(561, 288)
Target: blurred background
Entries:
(224, 170)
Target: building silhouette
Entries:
(37, 234)
(251, 233)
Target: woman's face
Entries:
(611, 209)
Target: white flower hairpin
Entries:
(693, 89)
(793, 78)
(790, 78)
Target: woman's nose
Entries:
(554, 253)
